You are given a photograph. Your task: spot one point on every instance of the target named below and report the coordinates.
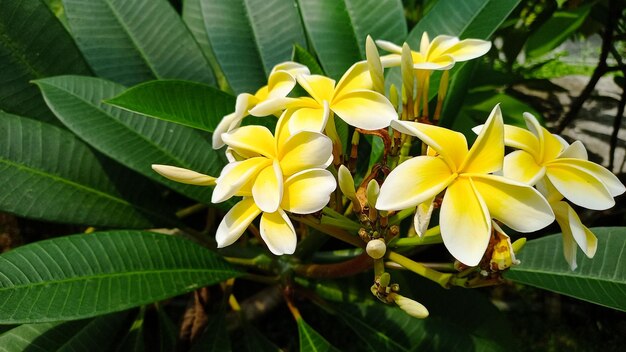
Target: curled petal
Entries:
(231, 121)
(305, 150)
(423, 213)
(465, 222)
(291, 67)
(235, 222)
(251, 140)
(267, 190)
(549, 146)
(467, 49)
(271, 106)
(236, 175)
(574, 231)
(413, 182)
(579, 186)
(365, 109)
(181, 175)
(278, 233)
(357, 77)
(439, 46)
(308, 119)
(280, 83)
(519, 206)
(522, 167)
(575, 150)
(308, 191)
(451, 145)
(319, 87)
(444, 62)
(487, 153)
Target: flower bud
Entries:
(411, 307)
(376, 248)
(372, 193)
(406, 65)
(375, 66)
(346, 182)
(181, 175)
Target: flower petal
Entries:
(549, 146)
(251, 140)
(612, 183)
(305, 150)
(487, 153)
(522, 167)
(235, 222)
(278, 233)
(181, 175)
(465, 222)
(308, 191)
(279, 84)
(231, 121)
(451, 145)
(575, 150)
(319, 87)
(570, 223)
(236, 175)
(413, 182)
(391, 60)
(267, 190)
(423, 213)
(357, 77)
(291, 67)
(439, 45)
(467, 49)
(308, 119)
(271, 106)
(579, 186)
(519, 206)
(365, 109)
(389, 46)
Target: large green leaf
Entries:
(215, 337)
(49, 174)
(81, 276)
(601, 280)
(311, 340)
(33, 44)
(187, 103)
(134, 140)
(134, 41)
(338, 29)
(247, 37)
(97, 334)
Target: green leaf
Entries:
(601, 280)
(215, 337)
(134, 41)
(133, 140)
(556, 30)
(49, 174)
(254, 341)
(80, 276)
(82, 335)
(23, 40)
(337, 29)
(167, 331)
(302, 56)
(247, 37)
(133, 341)
(187, 103)
(310, 340)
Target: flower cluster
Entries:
(291, 169)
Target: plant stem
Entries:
(343, 269)
(332, 231)
(431, 236)
(420, 269)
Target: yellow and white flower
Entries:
(440, 54)
(473, 195)
(268, 100)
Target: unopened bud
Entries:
(181, 175)
(376, 248)
(408, 76)
(375, 66)
(393, 96)
(372, 193)
(411, 307)
(346, 182)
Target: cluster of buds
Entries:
(295, 168)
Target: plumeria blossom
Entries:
(561, 170)
(276, 175)
(473, 194)
(352, 100)
(268, 100)
(440, 54)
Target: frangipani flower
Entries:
(440, 54)
(542, 154)
(268, 100)
(473, 196)
(351, 99)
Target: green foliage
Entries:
(215, 337)
(311, 340)
(133, 140)
(22, 42)
(134, 41)
(601, 280)
(186, 103)
(80, 276)
(63, 180)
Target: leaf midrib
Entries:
(567, 275)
